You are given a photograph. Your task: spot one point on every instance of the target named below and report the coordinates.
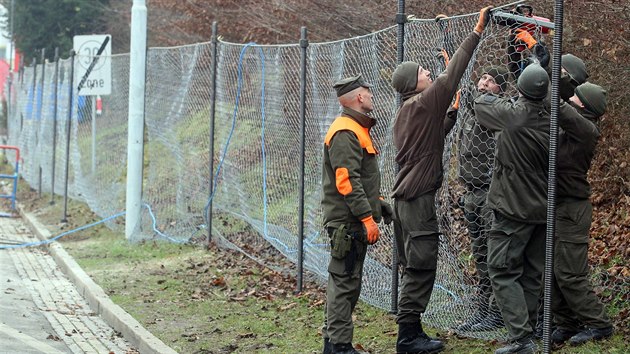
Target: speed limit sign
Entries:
(99, 80)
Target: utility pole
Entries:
(135, 142)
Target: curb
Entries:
(99, 302)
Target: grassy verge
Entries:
(217, 300)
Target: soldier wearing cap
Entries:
(573, 74)
(419, 134)
(577, 311)
(475, 152)
(518, 199)
(352, 206)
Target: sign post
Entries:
(95, 72)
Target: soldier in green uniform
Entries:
(352, 206)
(577, 311)
(475, 151)
(573, 74)
(419, 133)
(518, 198)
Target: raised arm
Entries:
(576, 126)
(491, 111)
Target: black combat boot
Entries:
(327, 346)
(525, 345)
(561, 335)
(413, 340)
(591, 334)
(344, 348)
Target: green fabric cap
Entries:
(348, 84)
(575, 67)
(405, 77)
(533, 82)
(499, 74)
(593, 98)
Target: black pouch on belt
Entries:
(341, 243)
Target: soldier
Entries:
(573, 73)
(352, 206)
(573, 302)
(475, 156)
(419, 134)
(518, 199)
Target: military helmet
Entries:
(575, 67)
(593, 98)
(533, 82)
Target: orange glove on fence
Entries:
(458, 96)
(525, 37)
(371, 229)
(484, 17)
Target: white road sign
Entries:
(99, 80)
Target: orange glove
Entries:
(458, 96)
(484, 17)
(525, 37)
(371, 229)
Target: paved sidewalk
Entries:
(48, 304)
(41, 311)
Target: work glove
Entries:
(542, 54)
(458, 97)
(442, 55)
(371, 229)
(387, 211)
(484, 17)
(524, 37)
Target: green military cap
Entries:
(348, 84)
(575, 67)
(405, 77)
(593, 97)
(533, 82)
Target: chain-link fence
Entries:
(257, 147)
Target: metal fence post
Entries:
(303, 58)
(68, 128)
(401, 19)
(213, 99)
(40, 96)
(54, 139)
(551, 182)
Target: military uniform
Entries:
(573, 302)
(419, 134)
(518, 198)
(475, 152)
(351, 192)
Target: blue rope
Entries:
(155, 229)
(45, 242)
(234, 115)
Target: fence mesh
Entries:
(256, 148)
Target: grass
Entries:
(217, 300)
(220, 301)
